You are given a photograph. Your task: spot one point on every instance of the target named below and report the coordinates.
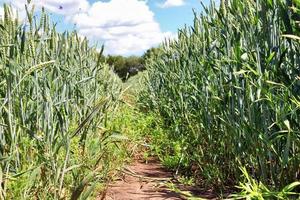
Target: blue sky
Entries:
(126, 27)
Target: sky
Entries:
(125, 27)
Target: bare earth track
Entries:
(147, 181)
(142, 181)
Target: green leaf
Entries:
(287, 124)
(291, 187)
(118, 137)
(294, 37)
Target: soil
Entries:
(147, 181)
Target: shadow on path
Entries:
(144, 181)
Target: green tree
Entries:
(126, 67)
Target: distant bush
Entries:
(125, 67)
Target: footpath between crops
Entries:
(143, 177)
(142, 180)
(150, 180)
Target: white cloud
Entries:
(172, 3)
(125, 27)
(1, 12)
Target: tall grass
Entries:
(54, 98)
(228, 89)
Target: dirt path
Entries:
(142, 181)
(148, 181)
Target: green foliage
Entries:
(125, 67)
(253, 190)
(228, 91)
(55, 96)
(135, 85)
(149, 53)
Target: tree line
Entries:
(125, 67)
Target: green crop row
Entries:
(228, 89)
(55, 96)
